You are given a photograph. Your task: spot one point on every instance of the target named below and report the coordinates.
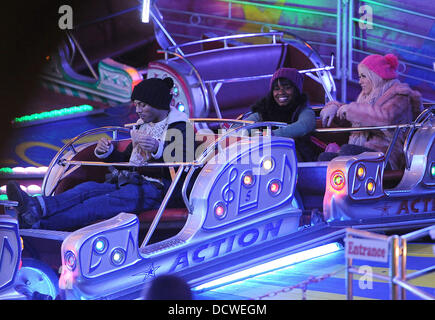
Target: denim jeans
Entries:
(90, 201)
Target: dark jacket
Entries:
(301, 121)
(179, 139)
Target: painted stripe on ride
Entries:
(421, 250)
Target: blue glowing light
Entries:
(100, 245)
(181, 107)
(118, 256)
(272, 265)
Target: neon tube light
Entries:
(54, 113)
(272, 265)
(146, 11)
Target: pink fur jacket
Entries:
(398, 105)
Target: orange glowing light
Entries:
(360, 172)
(247, 180)
(370, 187)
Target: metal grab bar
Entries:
(162, 206)
(213, 120)
(229, 37)
(212, 147)
(350, 129)
(70, 143)
(250, 78)
(125, 164)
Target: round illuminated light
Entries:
(175, 91)
(267, 164)
(361, 172)
(181, 107)
(220, 210)
(370, 186)
(337, 180)
(432, 170)
(100, 245)
(70, 260)
(118, 256)
(248, 180)
(275, 187)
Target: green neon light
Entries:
(284, 8)
(3, 197)
(6, 170)
(55, 113)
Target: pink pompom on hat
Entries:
(291, 74)
(383, 66)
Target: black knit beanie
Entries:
(155, 92)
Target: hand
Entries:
(147, 143)
(328, 113)
(341, 112)
(103, 145)
(332, 147)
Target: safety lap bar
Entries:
(56, 159)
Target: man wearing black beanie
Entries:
(134, 191)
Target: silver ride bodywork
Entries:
(242, 212)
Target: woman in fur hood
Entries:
(384, 100)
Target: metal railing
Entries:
(342, 30)
(397, 277)
(319, 73)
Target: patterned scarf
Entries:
(155, 130)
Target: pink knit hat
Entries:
(383, 66)
(291, 74)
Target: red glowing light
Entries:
(219, 211)
(274, 187)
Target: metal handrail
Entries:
(402, 280)
(345, 18)
(397, 264)
(351, 129)
(250, 78)
(229, 37)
